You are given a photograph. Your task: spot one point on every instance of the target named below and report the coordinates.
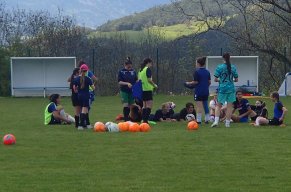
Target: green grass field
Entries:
(169, 158)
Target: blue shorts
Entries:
(244, 119)
(226, 97)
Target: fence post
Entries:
(157, 66)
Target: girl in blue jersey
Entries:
(202, 81)
(126, 78)
(279, 112)
(225, 74)
(244, 109)
(81, 86)
(74, 96)
(148, 85)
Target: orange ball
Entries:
(123, 126)
(9, 139)
(192, 125)
(144, 127)
(133, 127)
(99, 127)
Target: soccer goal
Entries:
(41, 76)
(285, 88)
(247, 68)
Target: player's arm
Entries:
(283, 114)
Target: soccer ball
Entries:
(9, 139)
(134, 127)
(192, 125)
(144, 127)
(172, 105)
(123, 126)
(111, 127)
(190, 117)
(99, 127)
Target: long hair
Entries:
(75, 72)
(226, 57)
(53, 98)
(145, 62)
(82, 79)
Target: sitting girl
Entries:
(279, 113)
(260, 109)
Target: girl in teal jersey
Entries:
(225, 74)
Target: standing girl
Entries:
(74, 96)
(226, 75)
(81, 86)
(148, 85)
(202, 81)
(126, 78)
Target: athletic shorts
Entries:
(200, 98)
(275, 121)
(226, 97)
(244, 119)
(54, 121)
(147, 95)
(75, 101)
(126, 97)
(84, 99)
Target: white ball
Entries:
(190, 117)
(112, 127)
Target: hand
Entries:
(155, 86)
(93, 87)
(129, 85)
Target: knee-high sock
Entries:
(77, 118)
(126, 111)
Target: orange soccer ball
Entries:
(144, 127)
(192, 125)
(99, 127)
(9, 139)
(133, 127)
(123, 126)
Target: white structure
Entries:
(41, 76)
(247, 68)
(285, 88)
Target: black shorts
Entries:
(54, 121)
(200, 98)
(75, 101)
(147, 95)
(275, 121)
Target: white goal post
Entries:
(41, 76)
(247, 68)
(285, 88)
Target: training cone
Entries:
(99, 127)
(9, 139)
(144, 127)
(133, 127)
(192, 125)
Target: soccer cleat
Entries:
(80, 128)
(214, 124)
(89, 126)
(227, 125)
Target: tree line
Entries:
(263, 31)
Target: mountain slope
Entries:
(90, 13)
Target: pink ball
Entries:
(9, 139)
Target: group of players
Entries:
(136, 91)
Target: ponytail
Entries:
(82, 79)
(226, 57)
(145, 62)
(75, 72)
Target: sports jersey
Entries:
(159, 114)
(202, 76)
(129, 76)
(85, 89)
(278, 110)
(242, 105)
(226, 84)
